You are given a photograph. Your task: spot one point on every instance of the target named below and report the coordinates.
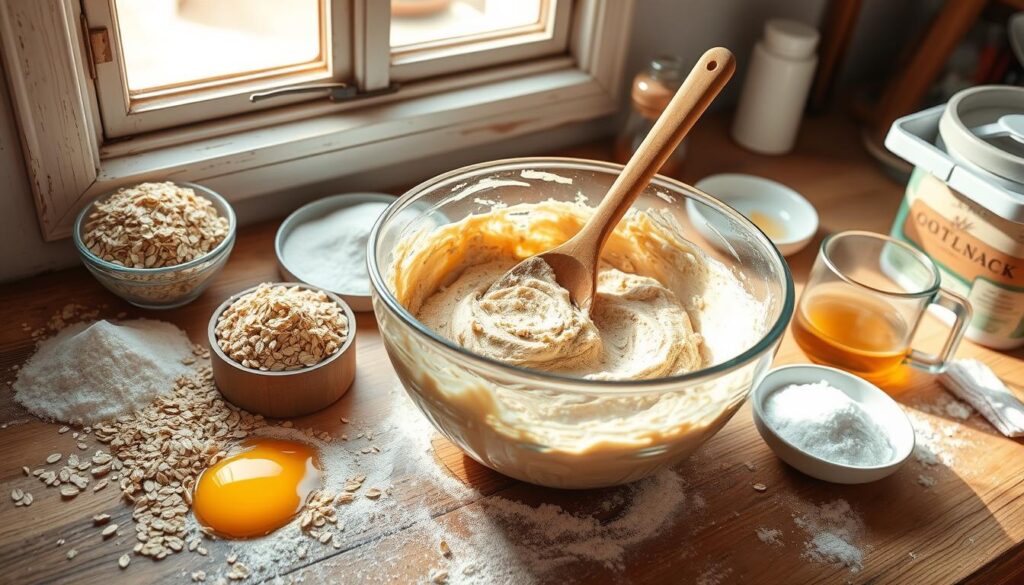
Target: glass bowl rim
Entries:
(224, 244)
(773, 335)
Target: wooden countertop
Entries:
(968, 527)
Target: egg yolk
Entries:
(769, 225)
(257, 490)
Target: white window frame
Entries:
(127, 116)
(69, 162)
(506, 46)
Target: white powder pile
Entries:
(824, 421)
(834, 530)
(330, 252)
(90, 372)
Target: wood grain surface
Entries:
(969, 527)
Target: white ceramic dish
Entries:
(882, 409)
(794, 215)
(357, 300)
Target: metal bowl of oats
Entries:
(283, 349)
(156, 245)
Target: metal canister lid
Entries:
(979, 128)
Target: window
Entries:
(175, 62)
(234, 93)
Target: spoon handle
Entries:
(708, 76)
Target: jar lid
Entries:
(981, 127)
(790, 38)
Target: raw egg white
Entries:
(257, 490)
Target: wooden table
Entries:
(968, 527)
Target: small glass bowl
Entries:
(551, 429)
(166, 287)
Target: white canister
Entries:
(775, 90)
(964, 204)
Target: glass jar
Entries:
(651, 91)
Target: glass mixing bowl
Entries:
(551, 429)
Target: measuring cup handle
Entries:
(961, 309)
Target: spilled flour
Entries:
(936, 442)
(510, 539)
(834, 531)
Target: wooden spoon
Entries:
(575, 261)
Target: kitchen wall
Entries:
(683, 27)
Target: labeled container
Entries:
(964, 203)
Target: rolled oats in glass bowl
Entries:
(156, 245)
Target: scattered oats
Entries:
(100, 519)
(69, 491)
(123, 561)
(63, 429)
(17, 494)
(344, 420)
(202, 550)
(53, 458)
(153, 225)
(26, 471)
(232, 558)
(198, 576)
(439, 576)
(27, 499)
(279, 328)
(109, 530)
(82, 446)
(72, 554)
(325, 537)
(760, 487)
(750, 466)
(239, 572)
(61, 542)
(374, 493)
(100, 485)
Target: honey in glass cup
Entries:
(863, 301)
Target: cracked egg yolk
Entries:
(257, 490)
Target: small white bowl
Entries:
(793, 215)
(359, 301)
(879, 406)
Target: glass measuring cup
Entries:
(864, 300)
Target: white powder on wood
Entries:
(834, 530)
(769, 535)
(91, 372)
(935, 442)
(330, 252)
(823, 420)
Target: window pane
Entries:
(174, 42)
(415, 22)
